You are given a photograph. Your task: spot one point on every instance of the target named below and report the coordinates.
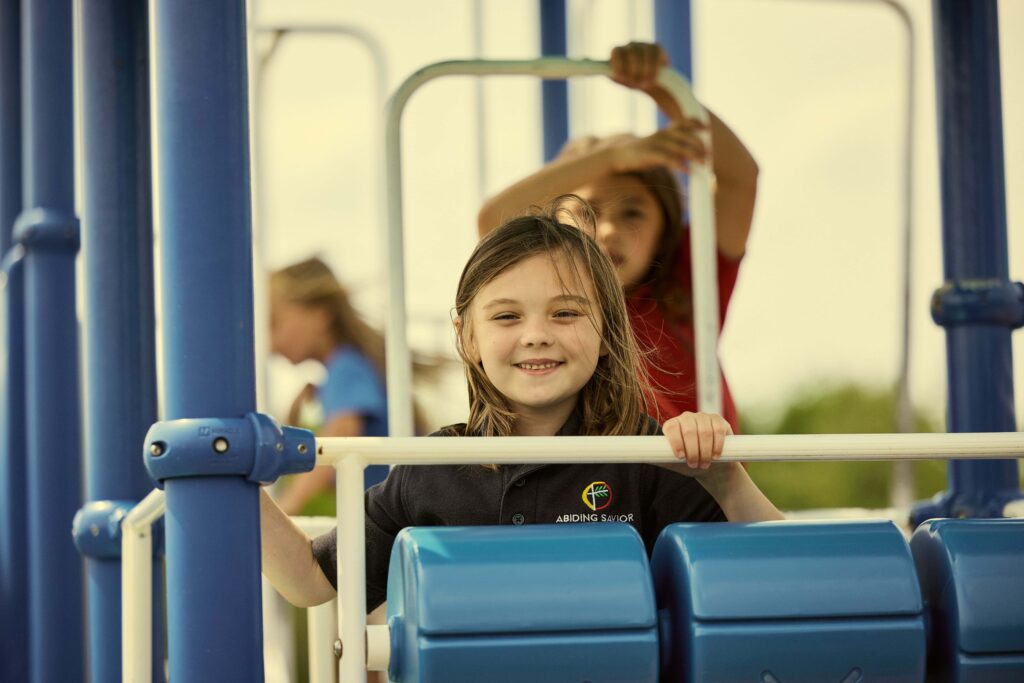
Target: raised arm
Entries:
(676, 146)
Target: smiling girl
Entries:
(542, 329)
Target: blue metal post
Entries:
(48, 230)
(117, 246)
(673, 30)
(978, 329)
(212, 522)
(13, 541)
(554, 94)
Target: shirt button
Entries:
(521, 482)
(518, 518)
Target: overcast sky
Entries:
(816, 89)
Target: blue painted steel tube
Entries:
(554, 94)
(13, 541)
(48, 230)
(202, 138)
(117, 246)
(13, 518)
(673, 29)
(978, 354)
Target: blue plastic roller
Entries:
(789, 603)
(972, 578)
(539, 603)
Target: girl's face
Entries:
(298, 332)
(629, 224)
(536, 329)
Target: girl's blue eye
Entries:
(504, 316)
(568, 314)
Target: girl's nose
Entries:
(536, 333)
(605, 232)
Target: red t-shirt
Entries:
(672, 364)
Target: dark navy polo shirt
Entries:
(646, 496)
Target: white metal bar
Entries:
(605, 449)
(137, 588)
(322, 624)
(351, 579)
(702, 221)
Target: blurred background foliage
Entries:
(838, 409)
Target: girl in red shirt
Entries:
(629, 182)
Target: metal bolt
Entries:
(156, 448)
(94, 530)
(303, 448)
(279, 446)
(220, 445)
(338, 649)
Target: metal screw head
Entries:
(220, 445)
(338, 649)
(156, 448)
(279, 446)
(94, 530)
(303, 448)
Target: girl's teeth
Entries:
(529, 366)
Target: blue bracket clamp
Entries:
(255, 447)
(979, 302)
(52, 228)
(97, 528)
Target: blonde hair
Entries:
(311, 283)
(611, 402)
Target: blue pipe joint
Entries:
(97, 528)
(49, 229)
(979, 302)
(255, 447)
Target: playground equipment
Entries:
(214, 461)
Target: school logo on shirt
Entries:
(597, 496)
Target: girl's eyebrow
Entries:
(582, 300)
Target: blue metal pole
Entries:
(673, 29)
(117, 247)
(554, 94)
(13, 539)
(48, 230)
(212, 522)
(978, 306)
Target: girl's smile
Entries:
(537, 335)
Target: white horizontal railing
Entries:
(351, 455)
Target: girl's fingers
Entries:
(691, 444)
(705, 439)
(720, 427)
(675, 437)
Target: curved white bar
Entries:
(702, 220)
(137, 588)
(604, 449)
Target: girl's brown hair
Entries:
(311, 283)
(673, 295)
(611, 402)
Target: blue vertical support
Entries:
(117, 248)
(673, 30)
(554, 94)
(47, 229)
(13, 556)
(202, 148)
(978, 306)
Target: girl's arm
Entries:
(287, 557)
(698, 439)
(636, 65)
(304, 486)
